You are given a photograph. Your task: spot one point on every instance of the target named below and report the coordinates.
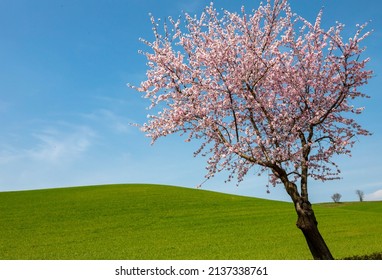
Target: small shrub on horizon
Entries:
(373, 256)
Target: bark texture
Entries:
(306, 219)
(307, 223)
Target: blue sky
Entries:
(65, 108)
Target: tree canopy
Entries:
(268, 89)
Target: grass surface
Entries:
(163, 222)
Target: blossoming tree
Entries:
(266, 89)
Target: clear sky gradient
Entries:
(65, 108)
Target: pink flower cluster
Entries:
(268, 89)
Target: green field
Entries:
(163, 222)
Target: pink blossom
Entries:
(267, 89)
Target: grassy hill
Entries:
(163, 222)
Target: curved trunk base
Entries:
(307, 223)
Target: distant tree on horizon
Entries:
(360, 195)
(268, 91)
(336, 197)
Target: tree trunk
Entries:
(306, 220)
(307, 223)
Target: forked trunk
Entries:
(307, 223)
(306, 220)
